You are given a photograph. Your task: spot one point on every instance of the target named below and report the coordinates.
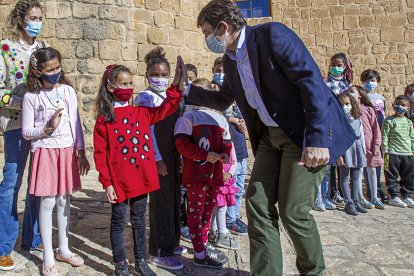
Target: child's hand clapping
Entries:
(110, 194)
(180, 78)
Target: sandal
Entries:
(74, 259)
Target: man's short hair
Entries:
(221, 10)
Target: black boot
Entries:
(142, 268)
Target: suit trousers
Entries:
(278, 179)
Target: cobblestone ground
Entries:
(378, 243)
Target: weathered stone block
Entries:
(110, 50)
(177, 37)
(113, 13)
(144, 16)
(69, 29)
(366, 21)
(152, 4)
(186, 23)
(157, 35)
(129, 51)
(324, 39)
(82, 10)
(409, 36)
(392, 34)
(291, 12)
(84, 49)
(58, 10)
(95, 29)
(351, 22)
(398, 20)
(163, 19)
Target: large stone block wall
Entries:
(91, 34)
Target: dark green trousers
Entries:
(277, 178)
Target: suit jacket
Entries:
(291, 87)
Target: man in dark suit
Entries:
(295, 123)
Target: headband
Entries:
(109, 69)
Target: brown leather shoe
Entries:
(6, 263)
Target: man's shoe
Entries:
(6, 263)
(169, 263)
(350, 209)
(397, 202)
(208, 262)
(121, 269)
(409, 202)
(226, 241)
(212, 251)
(238, 229)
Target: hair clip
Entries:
(34, 61)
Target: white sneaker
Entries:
(397, 202)
(409, 202)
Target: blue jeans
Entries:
(16, 150)
(233, 212)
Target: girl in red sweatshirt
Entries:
(124, 158)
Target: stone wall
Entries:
(91, 34)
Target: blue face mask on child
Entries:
(370, 85)
(218, 78)
(400, 109)
(52, 79)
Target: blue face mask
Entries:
(218, 78)
(215, 45)
(400, 109)
(370, 85)
(52, 79)
(336, 71)
(33, 28)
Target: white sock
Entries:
(45, 225)
(62, 217)
(200, 255)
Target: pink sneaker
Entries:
(74, 259)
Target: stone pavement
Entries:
(378, 243)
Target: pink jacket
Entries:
(372, 135)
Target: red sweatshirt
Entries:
(124, 155)
(196, 133)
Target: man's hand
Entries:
(340, 162)
(313, 157)
(162, 168)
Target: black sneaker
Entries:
(212, 251)
(350, 209)
(238, 229)
(121, 269)
(142, 268)
(208, 261)
(384, 197)
(359, 207)
(241, 223)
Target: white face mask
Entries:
(215, 45)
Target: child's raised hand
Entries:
(110, 194)
(213, 157)
(224, 158)
(55, 120)
(180, 77)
